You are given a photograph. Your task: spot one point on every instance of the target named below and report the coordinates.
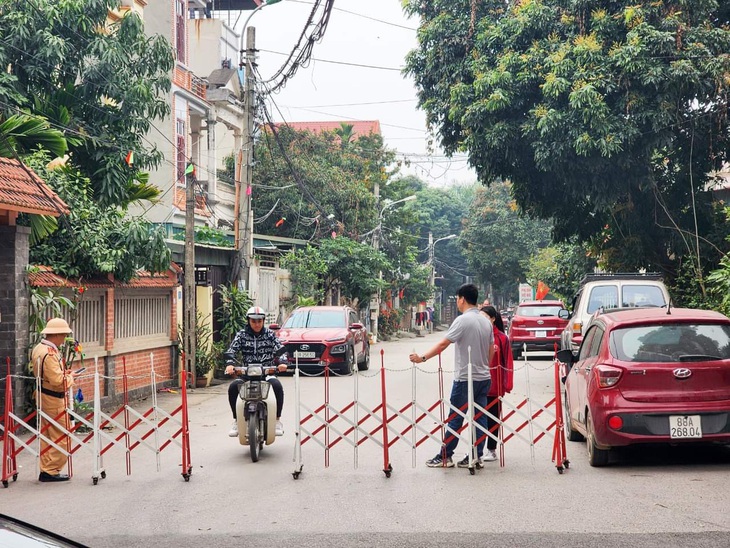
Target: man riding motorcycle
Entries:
(257, 344)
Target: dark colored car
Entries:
(14, 532)
(649, 375)
(331, 335)
(537, 324)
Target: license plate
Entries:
(540, 334)
(685, 426)
(299, 354)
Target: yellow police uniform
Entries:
(55, 380)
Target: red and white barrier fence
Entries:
(154, 429)
(414, 422)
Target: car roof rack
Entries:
(596, 276)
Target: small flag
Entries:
(542, 291)
(190, 169)
(130, 158)
(280, 222)
(248, 190)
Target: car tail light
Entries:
(577, 328)
(607, 375)
(517, 323)
(616, 422)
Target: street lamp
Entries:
(431, 246)
(375, 303)
(245, 24)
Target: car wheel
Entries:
(596, 456)
(571, 434)
(364, 365)
(348, 368)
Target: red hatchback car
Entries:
(331, 335)
(649, 375)
(537, 324)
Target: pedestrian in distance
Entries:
(473, 341)
(502, 370)
(256, 344)
(53, 381)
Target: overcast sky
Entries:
(371, 32)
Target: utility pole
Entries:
(375, 302)
(189, 289)
(244, 220)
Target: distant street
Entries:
(661, 497)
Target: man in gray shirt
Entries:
(471, 332)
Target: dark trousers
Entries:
(276, 386)
(493, 425)
(459, 398)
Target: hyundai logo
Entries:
(682, 373)
(540, 322)
(304, 347)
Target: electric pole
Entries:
(189, 289)
(244, 220)
(375, 301)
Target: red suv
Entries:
(331, 335)
(537, 324)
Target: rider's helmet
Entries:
(256, 313)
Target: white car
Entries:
(606, 291)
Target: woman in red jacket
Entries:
(502, 371)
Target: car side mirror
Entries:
(566, 356)
(274, 327)
(356, 325)
(564, 314)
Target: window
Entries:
(642, 295)
(602, 296)
(180, 30)
(316, 318)
(671, 342)
(596, 342)
(537, 311)
(587, 343)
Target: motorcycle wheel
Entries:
(262, 430)
(253, 436)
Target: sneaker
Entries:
(279, 428)
(489, 456)
(233, 432)
(464, 463)
(438, 462)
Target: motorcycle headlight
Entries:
(338, 349)
(254, 371)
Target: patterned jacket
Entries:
(261, 347)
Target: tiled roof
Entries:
(45, 277)
(359, 127)
(25, 192)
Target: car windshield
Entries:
(671, 342)
(606, 297)
(537, 311)
(316, 318)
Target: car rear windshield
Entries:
(606, 296)
(537, 311)
(671, 342)
(316, 318)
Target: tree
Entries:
(333, 189)
(607, 118)
(100, 84)
(499, 241)
(91, 240)
(337, 262)
(561, 267)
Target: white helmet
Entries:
(256, 312)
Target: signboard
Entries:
(525, 292)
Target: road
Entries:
(661, 497)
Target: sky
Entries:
(375, 33)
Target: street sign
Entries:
(525, 292)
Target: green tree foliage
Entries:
(91, 240)
(100, 84)
(607, 117)
(561, 267)
(499, 240)
(336, 262)
(337, 170)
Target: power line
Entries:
(359, 65)
(363, 16)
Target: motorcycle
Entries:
(255, 408)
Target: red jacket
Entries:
(502, 368)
